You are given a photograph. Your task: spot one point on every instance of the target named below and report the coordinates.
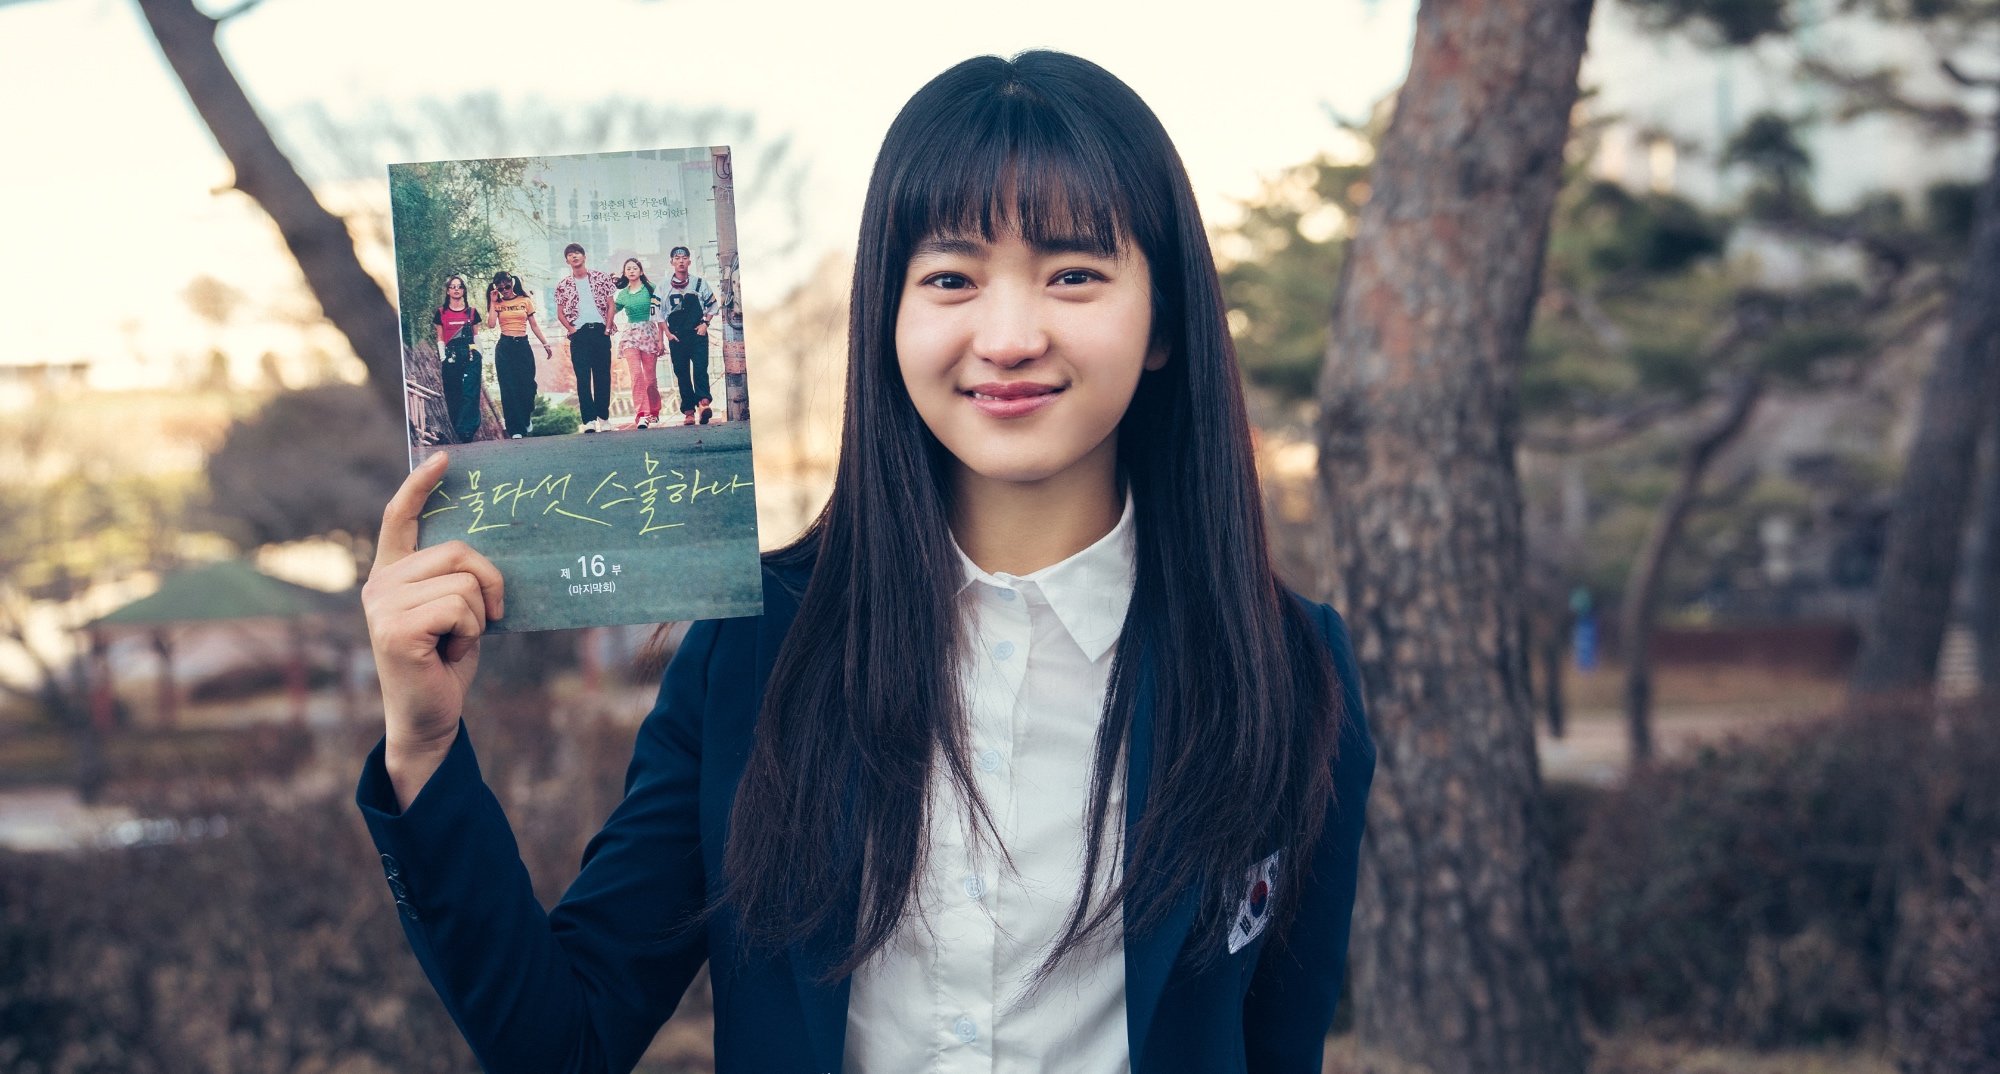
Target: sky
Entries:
(126, 174)
(108, 203)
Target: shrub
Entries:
(1946, 1014)
(550, 420)
(265, 944)
(1786, 891)
(257, 935)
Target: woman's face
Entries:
(633, 271)
(1023, 359)
(504, 287)
(454, 288)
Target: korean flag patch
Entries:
(1254, 912)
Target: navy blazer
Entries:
(584, 988)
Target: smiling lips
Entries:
(1012, 400)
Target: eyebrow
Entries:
(963, 246)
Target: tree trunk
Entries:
(1899, 648)
(90, 725)
(318, 240)
(1642, 592)
(166, 692)
(1462, 965)
(1554, 650)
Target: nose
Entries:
(1010, 329)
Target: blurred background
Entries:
(1746, 633)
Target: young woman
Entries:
(513, 361)
(1030, 763)
(458, 364)
(639, 340)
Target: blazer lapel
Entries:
(1149, 954)
(823, 1003)
(822, 1006)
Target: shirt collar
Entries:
(1089, 591)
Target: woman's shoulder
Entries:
(784, 584)
(1347, 676)
(1332, 627)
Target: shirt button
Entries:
(989, 760)
(1003, 650)
(975, 887)
(965, 1030)
(1008, 594)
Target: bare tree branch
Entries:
(319, 240)
(1603, 432)
(14, 632)
(1610, 429)
(241, 8)
(1642, 594)
(1879, 91)
(1957, 74)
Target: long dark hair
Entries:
(464, 292)
(862, 702)
(643, 281)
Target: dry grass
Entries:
(1693, 707)
(1638, 1055)
(1751, 690)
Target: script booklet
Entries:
(573, 339)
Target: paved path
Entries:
(1596, 749)
(54, 818)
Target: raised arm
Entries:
(581, 989)
(426, 610)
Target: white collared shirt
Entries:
(948, 994)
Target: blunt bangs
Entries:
(1006, 159)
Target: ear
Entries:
(1156, 356)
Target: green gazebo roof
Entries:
(230, 589)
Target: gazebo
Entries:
(228, 591)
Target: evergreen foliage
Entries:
(444, 214)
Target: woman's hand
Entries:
(426, 610)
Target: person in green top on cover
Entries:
(639, 340)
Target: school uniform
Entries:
(586, 986)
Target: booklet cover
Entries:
(573, 338)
